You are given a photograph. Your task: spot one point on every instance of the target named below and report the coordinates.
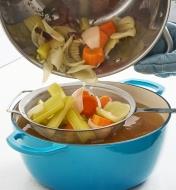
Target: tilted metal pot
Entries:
(150, 16)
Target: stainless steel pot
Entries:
(150, 16)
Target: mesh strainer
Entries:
(76, 136)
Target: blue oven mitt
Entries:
(157, 61)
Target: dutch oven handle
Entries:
(17, 142)
(157, 88)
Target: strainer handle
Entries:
(15, 100)
(17, 141)
(155, 87)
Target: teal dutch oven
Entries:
(112, 166)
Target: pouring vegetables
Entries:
(77, 49)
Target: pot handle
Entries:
(155, 87)
(17, 98)
(168, 39)
(16, 141)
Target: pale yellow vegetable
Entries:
(32, 21)
(51, 106)
(87, 75)
(64, 30)
(79, 68)
(68, 43)
(35, 110)
(75, 64)
(56, 35)
(35, 36)
(59, 117)
(55, 44)
(43, 51)
(120, 35)
(75, 51)
(125, 24)
(56, 89)
(47, 69)
(118, 109)
(78, 123)
(84, 23)
(110, 45)
(106, 114)
(55, 57)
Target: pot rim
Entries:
(111, 143)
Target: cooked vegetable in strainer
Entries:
(82, 110)
(76, 49)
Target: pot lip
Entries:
(112, 143)
(33, 61)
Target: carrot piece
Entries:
(93, 57)
(109, 28)
(89, 105)
(86, 93)
(100, 121)
(104, 100)
(103, 39)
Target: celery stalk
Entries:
(59, 117)
(51, 106)
(78, 123)
(43, 51)
(35, 110)
(55, 89)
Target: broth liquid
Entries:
(146, 123)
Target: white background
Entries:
(22, 75)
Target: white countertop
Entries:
(21, 75)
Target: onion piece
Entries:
(91, 37)
(79, 68)
(55, 57)
(56, 35)
(131, 121)
(35, 36)
(77, 95)
(64, 30)
(75, 64)
(87, 75)
(98, 101)
(47, 69)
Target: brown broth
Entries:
(147, 123)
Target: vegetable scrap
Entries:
(76, 49)
(80, 111)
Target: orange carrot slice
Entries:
(104, 100)
(103, 39)
(100, 121)
(93, 57)
(86, 93)
(109, 28)
(89, 105)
